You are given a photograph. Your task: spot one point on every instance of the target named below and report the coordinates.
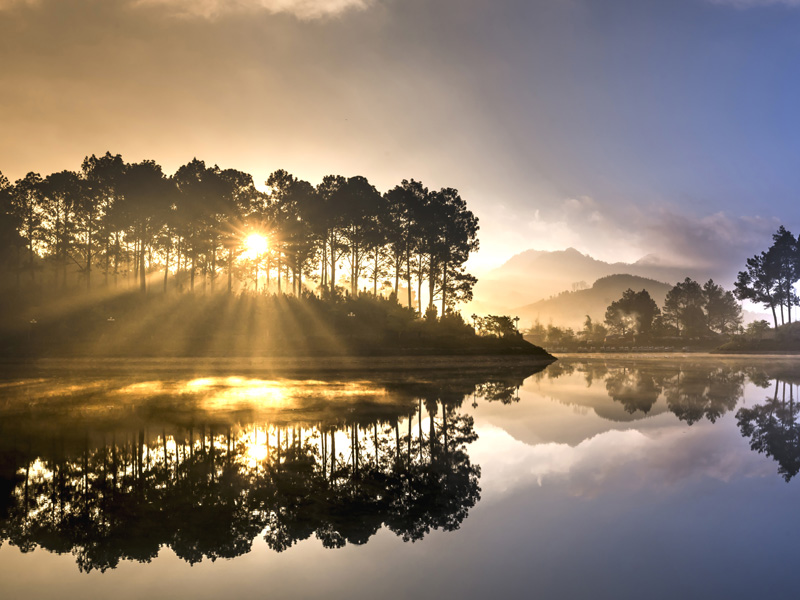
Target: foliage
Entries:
(769, 277)
(633, 313)
(497, 326)
(132, 222)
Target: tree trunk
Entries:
(397, 278)
(213, 263)
(279, 272)
(431, 281)
(89, 257)
(142, 280)
(230, 270)
(324, 266)
(166, 264)
(444, 287)
(375, 276)
(419, 284)
(408, 276)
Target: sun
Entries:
(255, 245)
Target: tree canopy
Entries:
(769, 277)
(136, 225)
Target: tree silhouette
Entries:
(769, 277)
(773, 429)
(683, 308)
(723, 313)
(634, 312)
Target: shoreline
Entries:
(328, 364)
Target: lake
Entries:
(593, 477)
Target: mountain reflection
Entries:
(115, 469)
(696, 391)
(691, 392)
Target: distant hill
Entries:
(570, 308)
(535, 275)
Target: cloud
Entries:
(304, 9)
(618, 231)
(9, 4)
(665, 459)
(756, 3)
(209, 9)
(710, 241)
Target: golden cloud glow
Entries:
(304, 9)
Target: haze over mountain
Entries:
(569, 309)
(535, 275)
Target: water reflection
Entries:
(695, 391)
(773, 429)
(114, 469)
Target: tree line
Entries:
(690, 310)
(114, 222)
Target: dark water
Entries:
(645, 477)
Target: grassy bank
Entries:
(221, 325)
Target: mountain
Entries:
(570, 308)
(535, 275)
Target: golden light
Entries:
(255, 245)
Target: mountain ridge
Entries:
(535, 275)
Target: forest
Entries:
(114, 223)
(119, 258)
(699, 314)
(691, 312)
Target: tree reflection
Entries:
(206, 484)
(634, 388)
(693, 394)
(773, 429)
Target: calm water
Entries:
(597, 477)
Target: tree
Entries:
(633, 313)
(769, 277)
(62, 195)
(593, 333)
(26, 199)
(399, 220)
(683, 308)
(202, 204)
(100, 220)
(757, 283)
(496, 326)
(332, 196)
(146, 197)
(757, 329)
(294, 210)
(723, 312)
(783, 258)
(361, 211)
(10, 240)
(457, 237)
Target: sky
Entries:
(619, 127)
